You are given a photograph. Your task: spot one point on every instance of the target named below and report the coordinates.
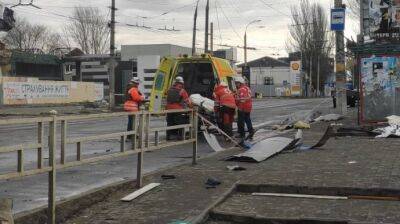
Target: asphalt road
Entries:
(31, 192)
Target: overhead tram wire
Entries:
(230, 23)
(273, 8)
(218, 23)
(58, 15)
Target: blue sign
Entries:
(338, 18)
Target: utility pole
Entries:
(318, 75)
(245, 49)
(206, 29)
(112, 56)
(212, 38)
(361, 36)
(194, 30)
(340, 67)
(310, 78)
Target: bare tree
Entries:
(26, 36)
(309, 35)
(88, 28)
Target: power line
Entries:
(218, 24)
(273, 8)
(230, 23)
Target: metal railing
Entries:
(140, 143)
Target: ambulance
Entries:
(201, 74)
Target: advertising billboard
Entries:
(383, 20)
(295, 78)
(380, 87)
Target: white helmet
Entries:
(240, 79)
(135, 80)
(179, 79)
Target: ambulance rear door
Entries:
(162, 82)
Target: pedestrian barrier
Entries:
(140, 143)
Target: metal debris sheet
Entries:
(264, 150)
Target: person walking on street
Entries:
(177, 98)
(133, 100)
(245, 105)
(333, 95)
(224, 107)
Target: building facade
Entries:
(269, 77)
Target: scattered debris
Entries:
(299, 134)
(390, 131)
(394, 120)
(212, 183)
(139, 192)
(324, 139)
(282, 127)
(168, 177)
(329, 117)
(264, 150)
(212, 141)
(243, 145)
(302, 125)
(393, 130)
(354, 131)
(235, 168)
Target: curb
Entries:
(254, 219)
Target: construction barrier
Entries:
(140, 143)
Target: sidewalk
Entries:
(344, 166)
(38, 110)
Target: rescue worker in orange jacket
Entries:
(224, 107)
(245, 105)
(177, 98)
(133, 100)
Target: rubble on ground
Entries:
(392, 130)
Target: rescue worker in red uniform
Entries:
(177, 98)
(245, 105)
(225, 107)
(133, 100)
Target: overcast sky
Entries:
(229, 16)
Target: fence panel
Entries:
(140, 143)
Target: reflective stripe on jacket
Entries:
(243, 99)
(134, 100)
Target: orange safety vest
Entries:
(135, 98)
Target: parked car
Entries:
(353, 97)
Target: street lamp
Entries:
(245, 39)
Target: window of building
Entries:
(269, 81)
(148, 79)
(149, 71)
